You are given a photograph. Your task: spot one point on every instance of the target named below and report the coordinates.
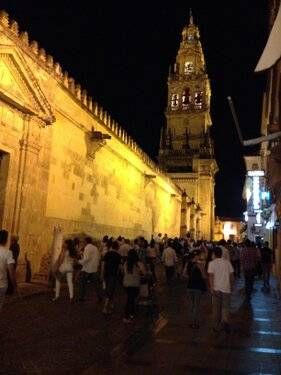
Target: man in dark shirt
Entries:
(112, 261)
(249, 260)
(266, 263)
(15, 248)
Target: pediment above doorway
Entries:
(19, 87)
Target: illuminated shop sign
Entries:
(265, 195)
(256, 192)
(255, 173)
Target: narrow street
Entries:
(40, 337)
(252, 347)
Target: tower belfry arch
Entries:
(186, 151)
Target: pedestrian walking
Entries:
(159, 243)
(89, 273)
(124, 249)
(225, 252)
(151, 259)
(234, 252)
(221, 278)
(15, 248)
(196, 285)
(249, 259)
(6, 266)
(133, 269)
(169, 258)
(111, 267)
(65, 268)
(141, 249)
(266, 257)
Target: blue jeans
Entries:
(195, 297)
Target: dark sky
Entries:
(120, 51)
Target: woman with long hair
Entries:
(197, 285)
(65, 268)
(133, 269)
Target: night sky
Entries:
(121, 51)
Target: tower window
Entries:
(198, 99)
(186, 98)
(175, 101)
(190, 37)
(188, 67)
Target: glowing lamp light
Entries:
(228, 230)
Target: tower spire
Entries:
(190, 17)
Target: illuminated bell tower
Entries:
(186, 148)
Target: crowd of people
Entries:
(206, 266)
(102, 267)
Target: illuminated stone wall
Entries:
(56, 166)
(200, 186)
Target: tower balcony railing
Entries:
(203, 152)
(178, 153)
(195, 75)
(187, 108)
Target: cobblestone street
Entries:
(40, 337)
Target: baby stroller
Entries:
(146, 300)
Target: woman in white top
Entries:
(133, 269)
(151, 257)
(65, 268)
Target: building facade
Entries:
(186, 148)
(65, 161)
(271, 151)
(227, 228)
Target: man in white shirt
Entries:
(89, 273)
(6, 265)
(169, 258)
(159, 243)
(124, 248)
(220, 273)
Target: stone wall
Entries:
(66, 161)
